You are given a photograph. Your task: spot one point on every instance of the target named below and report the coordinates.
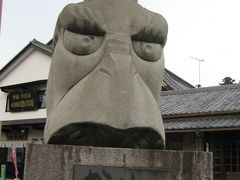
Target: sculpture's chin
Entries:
(92, 134)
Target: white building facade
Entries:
(23, 96)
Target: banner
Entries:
(1, 3)
(14, 156)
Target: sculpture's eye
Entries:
(81, 44)
(148, 51)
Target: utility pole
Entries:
(199, 69)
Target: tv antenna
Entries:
(199, 69)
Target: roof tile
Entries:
(203, 100)
(203, 123)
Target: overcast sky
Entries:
(204, 29)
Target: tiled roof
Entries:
(203, 123)
(175, 82)
(210, 100)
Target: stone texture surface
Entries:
(107, 70)
(56, 162)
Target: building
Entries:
(206, 119)
(23, 101)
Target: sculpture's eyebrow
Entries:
(153, 30)
(79, 19)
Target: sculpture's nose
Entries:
(117, 60)
(118, 46)
(117, 71)
(118, 65)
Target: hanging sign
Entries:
(22, 101)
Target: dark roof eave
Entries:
(203, 114)
(25, 85)
(202, 129)
(24, 122)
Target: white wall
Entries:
(35, 67)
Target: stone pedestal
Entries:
(59, 162)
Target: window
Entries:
(20, 155)
(232, 157)
(174, 141)
(41, 99)
(16, 134)
(217, 161)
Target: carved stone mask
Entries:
(106, 76)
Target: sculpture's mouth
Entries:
(92, 134)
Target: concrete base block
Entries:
(60, 162)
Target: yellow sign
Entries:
(22, 101)
(23, 104)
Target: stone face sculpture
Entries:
(106, 76)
